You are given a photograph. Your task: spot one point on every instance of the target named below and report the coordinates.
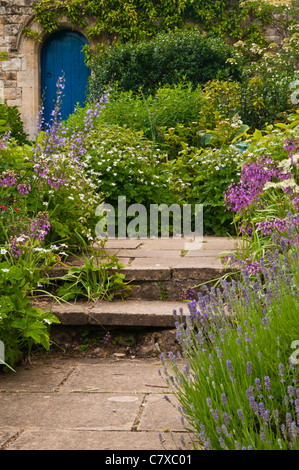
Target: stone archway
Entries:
(27, 66)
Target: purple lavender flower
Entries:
(263, 437)
(209, 402)
(215, 415)
(229, 366)
(225, 418)
(281, 372)
(267, 383)
(291, 391)
(224, 399)
(258, 384)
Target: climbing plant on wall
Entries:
(139, 19)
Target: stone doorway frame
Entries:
(29, 70)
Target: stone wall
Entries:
(13, 15)
(20, 74)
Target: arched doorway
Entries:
(62, 55)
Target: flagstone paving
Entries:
(91, 404)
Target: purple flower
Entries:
(224, 399)
(291, 391)
(209, 402)
(229, 366)
(24, 189)
(258, 384)
(267, 383)
(225, 418)
(281, 372)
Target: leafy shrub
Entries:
(13, 123)
(202, 177)
(166, 59)
(47, 195)
(266, 76)
(126, 164)
(22, 325)
(173, 115)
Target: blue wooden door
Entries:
(62, 55)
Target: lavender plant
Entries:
(239, 387)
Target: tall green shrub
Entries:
(166, 59)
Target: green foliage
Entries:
(99, 278)
(127, 165)
(22, 325)
(10, 121)
(169, 106)
(140, 19)
(201, 177)
(166, 59)
(129, 20)
(267, 73)
(213, 120)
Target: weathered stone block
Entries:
(14, 64)
(11, 29)
(13, 93)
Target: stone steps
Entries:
(159, 272)
(163, 269)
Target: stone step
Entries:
(130, 313)
(162, 269)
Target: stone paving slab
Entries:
(36, 378)
(107, 377)
(118, 243)
(100, 411)
(96, 440)
(153, 419)
(98, 405)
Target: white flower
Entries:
(5, 270)
(54, 247)
(3, 251)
